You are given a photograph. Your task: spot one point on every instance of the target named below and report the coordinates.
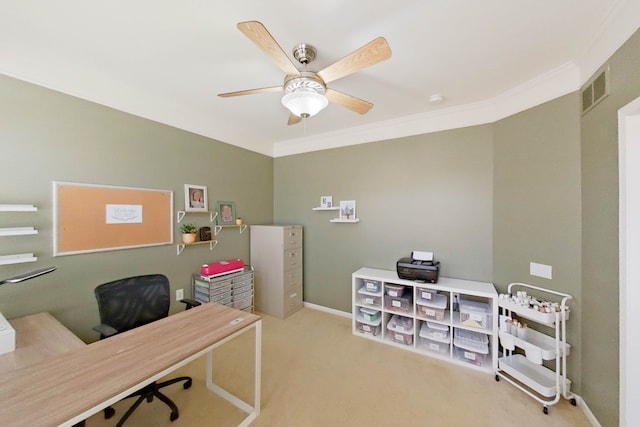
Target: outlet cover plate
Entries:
(540, 270)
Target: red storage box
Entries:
(222, 267)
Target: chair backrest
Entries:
(134, 301)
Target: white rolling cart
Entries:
(540, 368)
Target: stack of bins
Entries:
(368, 321)
(470, 346)
(435, 337)
(400, 329)
(397, 299)
(433, 308)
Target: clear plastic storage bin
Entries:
(398, 304)
(475, 314)
(400, 329)
(372, 285)
(368, 329)
(432, 309)
(470, 346)
(395, 290)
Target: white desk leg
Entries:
(258, 369)
(252, 411)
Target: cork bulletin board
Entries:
(96, 218)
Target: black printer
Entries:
(420, 266)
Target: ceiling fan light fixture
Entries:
(305, 102)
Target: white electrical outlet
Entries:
(179, 294)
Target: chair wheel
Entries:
(109, 412)
(574, 402)
(174, 416)
(497, 377)
(545, 410)
(187, 384)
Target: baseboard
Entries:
(586, 411)
(327, 309)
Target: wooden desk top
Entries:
(38, 337)
(71, 383)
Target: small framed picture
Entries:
(326, 202)
(347, 209)
(226, 212)
(195, 198)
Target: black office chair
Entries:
(129, 303)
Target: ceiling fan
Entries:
(306, 91)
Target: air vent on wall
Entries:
(595, 91)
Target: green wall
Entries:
(46, 136)
(600, 263)
(430, 192)
(536, 216)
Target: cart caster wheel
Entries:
(497, 377)
(174, 416)
(109, 412)
(186, 384)
(573, 401)
(545, 410)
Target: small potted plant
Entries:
(189, 233)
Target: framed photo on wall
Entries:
(195, 198)
(347, 209)
(326, 201)
(226, 212)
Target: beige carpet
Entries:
(316, 373)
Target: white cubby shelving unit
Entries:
(17, 231)
(535, 361)
(453, 320)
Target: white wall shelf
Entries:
(212, 215)
(351, 221)
(334, 208)
(181, 246)
(18, 208)
(218, 228)
(17, 231)
(17, 259)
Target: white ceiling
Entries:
(167, 60)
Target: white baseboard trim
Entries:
(327, 309)
(586, 411)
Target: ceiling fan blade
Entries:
(293, 119)
(252, 91)
(258, 34)
(373, 52)
(351, 102)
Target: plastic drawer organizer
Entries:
(234, 290)
(533, 361)
(420, 317)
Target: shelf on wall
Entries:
(17, 259)
(181, 246)
(335, 208)
(17, 231)
(218, 228)
(212, 215)
(18, 208)
(352, 221)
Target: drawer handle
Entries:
(293, 295)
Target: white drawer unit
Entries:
(453, 320)
(276, 255)
(234, 290)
